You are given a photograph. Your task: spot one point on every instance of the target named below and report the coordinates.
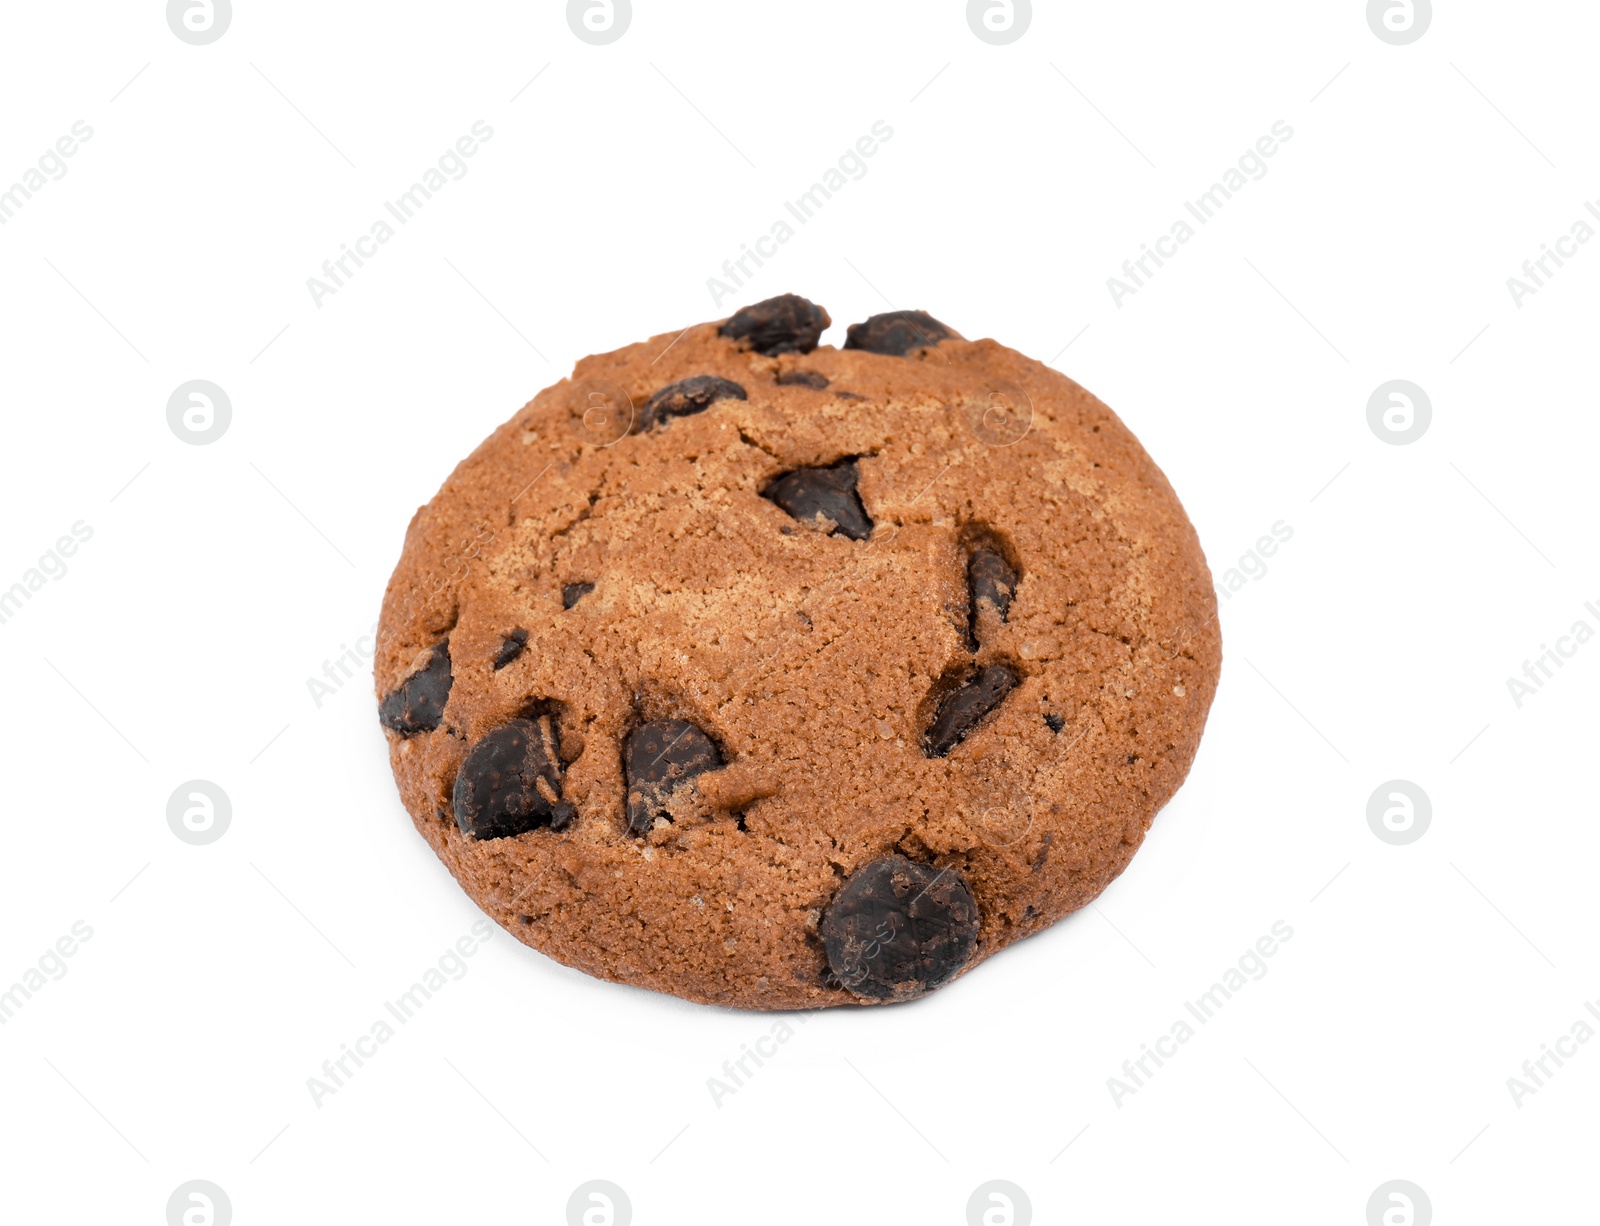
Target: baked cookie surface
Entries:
(777, 676)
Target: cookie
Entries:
(775, 675)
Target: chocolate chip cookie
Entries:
(775, 675)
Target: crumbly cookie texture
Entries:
(774, 675)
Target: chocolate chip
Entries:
(1044, 850)
(898, 929)
(661, 756)
(1055, 723)
(802, 378)
(417, 705)
(990, 578)
(510, 783)
(897, 333)
(826, 493)
(510, 648)
(785, 324)
(695, 394)
(962, 708)
(574, 592)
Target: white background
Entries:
(1376, 646)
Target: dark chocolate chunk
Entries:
(695, 394)
(807, 493)
(785, 324)
(510, 648)
(1044, 850)
(897, 929)
(418, 704)
(962, 708)
(510, 783)
(571, 593)
(990, 577)
(661, 755)
(802, 378)
(1055, 723)
(897, 333)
